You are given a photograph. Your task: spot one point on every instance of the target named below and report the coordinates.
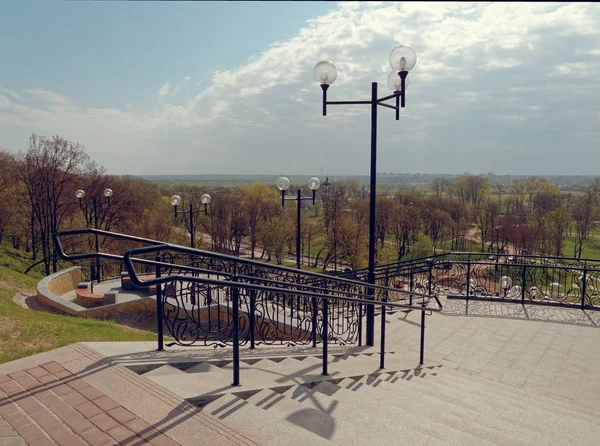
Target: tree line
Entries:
(37, 198)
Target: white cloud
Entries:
(484, 69)
(164, 91)
(48, 96)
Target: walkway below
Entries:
(73, 396)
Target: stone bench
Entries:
(127, 284)
(87, 299)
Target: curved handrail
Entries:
(128, 260)
(161, 246)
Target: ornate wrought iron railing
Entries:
(514, 278)
(210, 299)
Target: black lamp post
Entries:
(283, 184)
(95, 204)
(402, 59)
(176, 201)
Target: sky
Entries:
(151, 88)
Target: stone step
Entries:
(248, 419)
(204, 367)
(164, 370)
(502, 413)
(313, 420)
(394, 420)
(455, 418)
(477, 385)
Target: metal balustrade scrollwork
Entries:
(503, 277)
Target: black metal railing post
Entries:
(159, 309)
(468, 278)
(382, 346)
(523, 284)
(360, 317)
(236, 334)
(429, 278)
(315, 311)
(584, 287)
(422, 334)
(252, 317)
(411, 285)
(325, 334)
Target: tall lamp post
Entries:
(95, 204)
(402, 59)
(283, 184)
(176, 201)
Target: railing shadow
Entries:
(531, 312)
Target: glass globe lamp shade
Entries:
(175, 200)
(403, 58)
(108, 193)
(79, 193)
(205, 198)
(314, 183)
(505, 282)
(283, 184)
(325, 72)
(394, 81)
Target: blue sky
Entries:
(227, 87)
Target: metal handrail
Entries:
(161, 246)
(236, 282)
(129, 261)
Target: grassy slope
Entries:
(25, 332)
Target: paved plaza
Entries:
(91, 394)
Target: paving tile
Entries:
(64, 374)
(4, 377)
(63, 411)
(78, 423)
(60, 433)
(121, 414)
(88, 409)
(49, 400)
(16, 420)
(42, 442)
(28, 382)
(29, 405)
(62, 389)
(74, 399)
(138, 425)
(91, 393)
(95, 437)
(77, 384)
(37, 372)
(105, 403)
(104, 422)
(18, 375)
(47, 379)
(45, 418)
(12, 388)
(123, 435)
(53, 367)
(30, 432)
(7, 407)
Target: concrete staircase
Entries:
(286, 401)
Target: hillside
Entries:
(24, 331)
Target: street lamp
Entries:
(505, 283)
(83, 205)
(283, 184)
(402, 59)
(176, 201)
